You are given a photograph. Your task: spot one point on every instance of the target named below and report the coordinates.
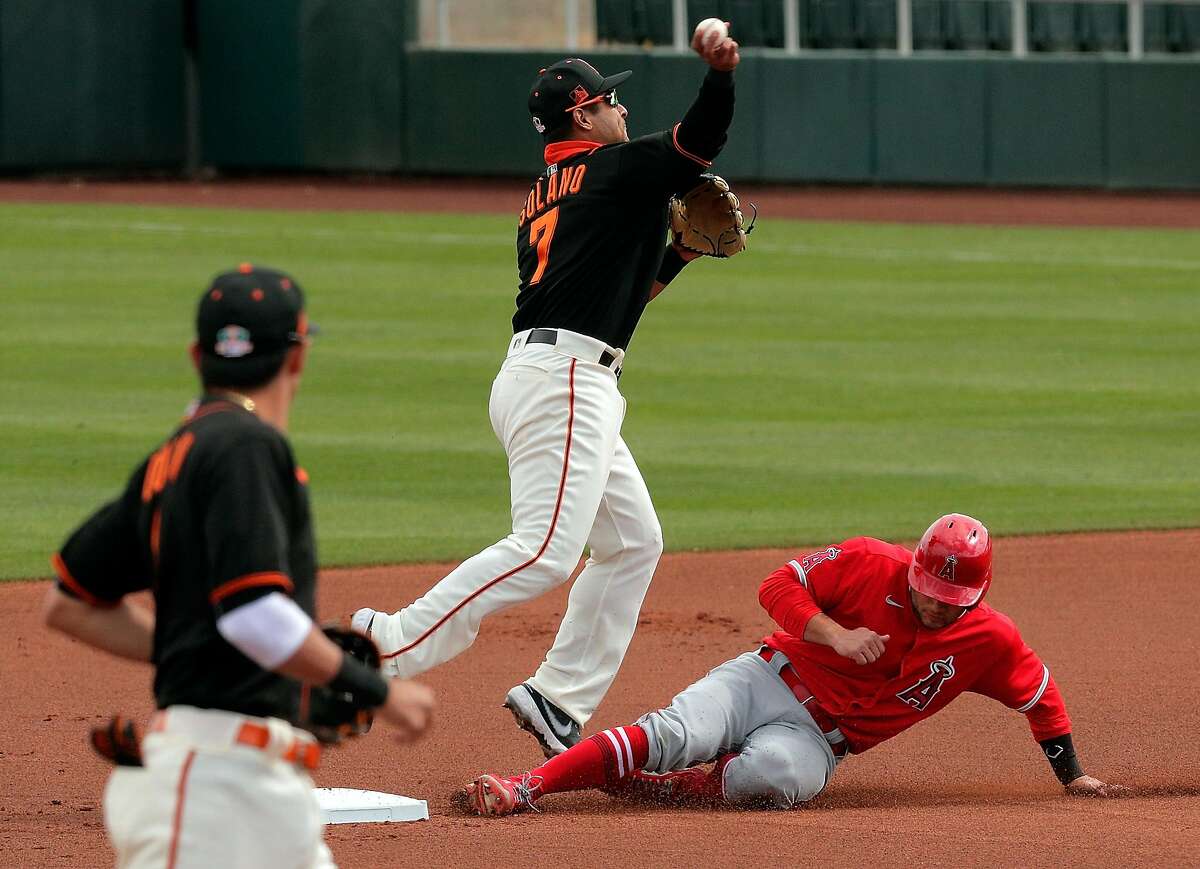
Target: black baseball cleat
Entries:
(554, 729)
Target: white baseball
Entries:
(710, 32)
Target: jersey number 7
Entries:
(541, 233)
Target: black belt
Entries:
(550, 336)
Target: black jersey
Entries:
(591, 237)
(592, 234)
(215, 518)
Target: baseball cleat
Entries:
(361, 620)
(554, 730)
(496, 796)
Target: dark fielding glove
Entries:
(332, 715)
(708, 219)
(119, 741)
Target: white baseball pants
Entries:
(558, 414)
(202, 800)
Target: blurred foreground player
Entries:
(216, 524)
(875, 639)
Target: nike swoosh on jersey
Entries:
(888, 600)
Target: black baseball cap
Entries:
(247, 320)
(562, 87)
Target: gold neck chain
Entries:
(237, 398)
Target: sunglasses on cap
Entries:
(304, 331)
(609, 97)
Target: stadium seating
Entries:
(657, 26)
(927, 26)
(1054, 27)
(830, 24)
(755, 23)
(1183, 32)
(615, 22)
(773, 25)
(1103, 27)
(966, 26)
(747, 19)
(877, 23)
(1154, 27)
(971, 25)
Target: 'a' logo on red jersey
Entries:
(920, 695)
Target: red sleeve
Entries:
(787, 601)
(800, 589)
(1022, 682)
(1048, 717)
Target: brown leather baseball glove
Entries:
(708, 219)
(332, 716)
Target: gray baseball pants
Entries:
(744, 706)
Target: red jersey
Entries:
(864, 583)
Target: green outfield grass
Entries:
(836, 379)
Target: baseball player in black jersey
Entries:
(216, 524)
(591, 253)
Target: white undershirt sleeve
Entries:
(268, 630)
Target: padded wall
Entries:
(302, 84)
(1153, 126)
(333, 85)
(91, 84)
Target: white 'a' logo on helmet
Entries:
(538, 125)
(947, 571)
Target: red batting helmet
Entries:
(953, 561)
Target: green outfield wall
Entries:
(303, 85)
(92, 84)
(831, 117)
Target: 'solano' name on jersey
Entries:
(591, 235)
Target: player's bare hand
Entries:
(718, 49)
(861, 645)
(725, 56)
(1086, 786)
(408, 708)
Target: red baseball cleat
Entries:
(497, 796)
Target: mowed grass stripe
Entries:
(837, 379)
(1029, 254)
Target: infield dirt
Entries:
(1112, 614)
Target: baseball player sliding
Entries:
(590, 255)
(874, 639)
